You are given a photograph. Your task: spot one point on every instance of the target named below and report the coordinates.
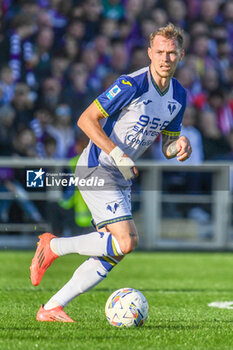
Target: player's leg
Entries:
(91, 244)
(119, 223)
(110, 209)
(95, 269)
(49, 248)
(119, 239)
(126, 235)
(89, 274)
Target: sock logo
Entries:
(113, 208)
(100, 274)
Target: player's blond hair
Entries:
(169, 32)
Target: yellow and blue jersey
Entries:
(136, 111)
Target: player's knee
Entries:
(129, 243)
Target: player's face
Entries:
(165, 55)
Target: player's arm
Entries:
(89, 122)
(174, 146)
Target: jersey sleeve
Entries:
(174, 127)
(119, 95)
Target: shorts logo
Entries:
(113, 208)
(35, 178)
(126, 82)
(113, 92)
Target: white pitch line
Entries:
(222, 304)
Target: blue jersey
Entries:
(136, 111)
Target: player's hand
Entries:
(124, 163)
(184, 148)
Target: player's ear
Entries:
(149, 52)
(182, 54)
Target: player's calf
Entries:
(128, 242)
(125, 233)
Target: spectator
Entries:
(189, 129)
(92, 14)
(71, 48)
(44, 20)
(25, 143)
(200, 50)
(62, 131)
(138, 58)
(133, 9)
(224, 112)
(90, 58)
(209, 12)
(113, 9)
(227, 20)
(190, 81)
(42, 119)
(159, 16)
(66, 51)
(77, 94)
(119, 58)
(177, 12)
(7, 130)
(76, 29)
(44, 50)
(7, 84)
(23, 104)
(50, 95)
(21, 47)
(59, 66)
(215, 146)
(50, 147)
(209, 83)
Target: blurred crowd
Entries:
(57, 56)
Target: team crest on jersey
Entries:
(113, 207)
(171, 107)
(113, 92)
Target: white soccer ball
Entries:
(126, 307)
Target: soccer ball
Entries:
(126, 307)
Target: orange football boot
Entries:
(43, 258)
(53, 315)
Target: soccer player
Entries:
(121, 124)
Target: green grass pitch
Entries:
(178, 287)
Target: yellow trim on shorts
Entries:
(171, 133)
(121, 218)
(102, 110)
